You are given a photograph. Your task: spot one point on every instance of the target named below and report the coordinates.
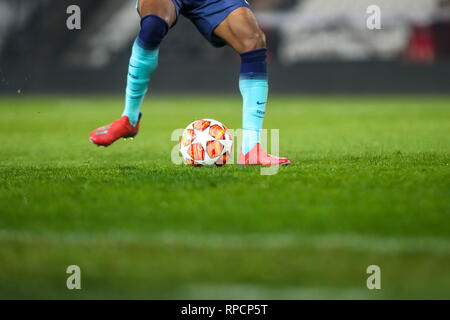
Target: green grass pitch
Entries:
(369, 184)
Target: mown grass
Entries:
(375, 168)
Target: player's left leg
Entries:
(241, 31)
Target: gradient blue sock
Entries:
(254, 89)
(142, 64)
(143, 61)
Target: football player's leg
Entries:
(242, 32)
(156, 17)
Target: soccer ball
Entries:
(206, 142)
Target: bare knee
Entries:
(165, 9)
(253, 41)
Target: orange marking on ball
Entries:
(214, 148)
(217, 132)
(223, 159)
(201, 125)
(196, 151)
(188, 137)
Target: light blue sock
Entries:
(142, 64)
(254, 88)
(254, 93)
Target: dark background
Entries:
(38, 54)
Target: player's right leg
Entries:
(156, 18)
(241, 31)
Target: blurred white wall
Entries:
(325, 29)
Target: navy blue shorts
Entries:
(208, 14)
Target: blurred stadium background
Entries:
(369, 182)
(316, 46)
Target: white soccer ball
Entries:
(206, 142)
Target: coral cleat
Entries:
(258, 156)
(121, 128)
